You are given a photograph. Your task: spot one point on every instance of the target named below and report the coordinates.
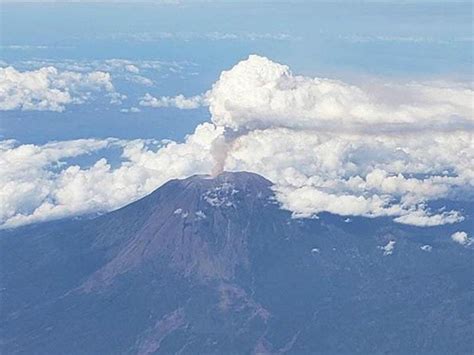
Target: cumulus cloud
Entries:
(180, 101)
(359, 175)
(461, 238)
(388, 248)
(326, 145)
(426, 247)
(258, 93)
(37, 185)
(116, 98)
(123, 71)
(48, 89)
(332, 146)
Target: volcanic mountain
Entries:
(215, 266)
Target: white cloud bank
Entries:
(48, 89)
(384, 150)
(134, 71)
(35, 185)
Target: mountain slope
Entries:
(213, 265)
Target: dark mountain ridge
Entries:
(195, 225)
(214, 265)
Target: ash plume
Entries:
(222, 146)
(219, 151)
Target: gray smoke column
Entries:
(219, 152)
(222, 146)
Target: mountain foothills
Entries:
(215, 266)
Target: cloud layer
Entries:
(48, 89)
(376, 150)
(52, 85)
(37, 185)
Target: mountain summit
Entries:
(200, 226)
(214, 265)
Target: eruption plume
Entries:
(219, 151)
(222, 146)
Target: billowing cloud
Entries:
(48, 89)
(461, 238)
(332, 146)
(180, 101)
(326, 145)
(258, 93)
(37, 185)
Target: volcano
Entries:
(215, 266)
